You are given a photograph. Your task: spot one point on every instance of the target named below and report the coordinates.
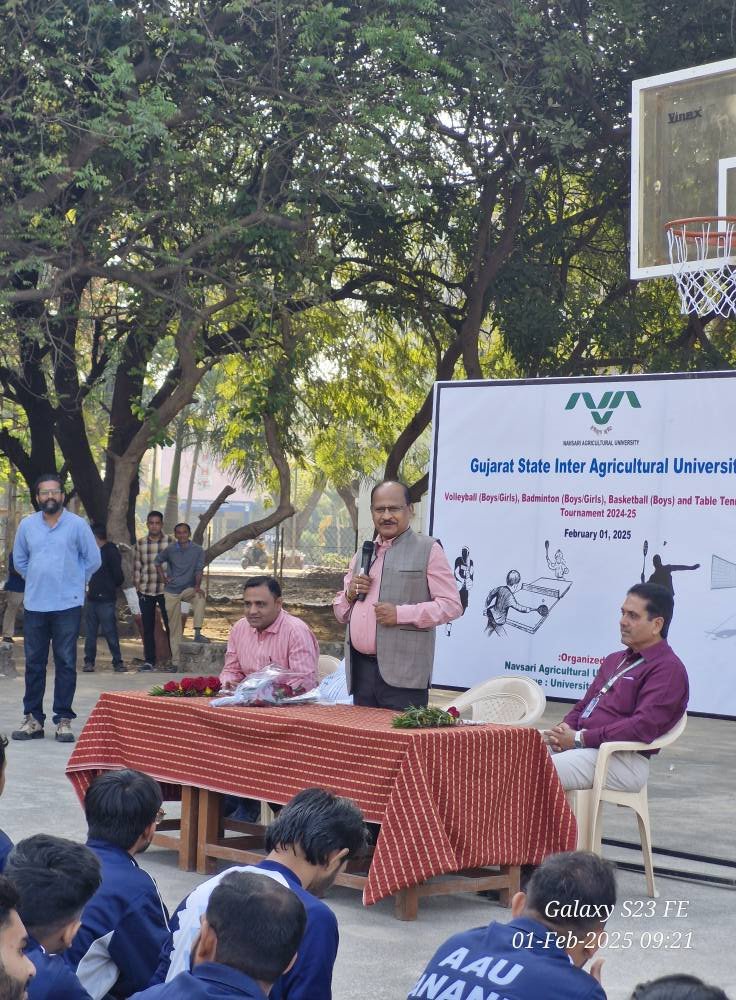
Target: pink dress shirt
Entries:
(444, 606)
(287, 642)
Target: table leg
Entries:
(188, 828)
(208, 828)
(513, 872)
(406, 906)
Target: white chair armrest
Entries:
(605, 750)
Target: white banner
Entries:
(552, 497)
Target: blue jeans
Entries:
(101, 615)
(61, 630)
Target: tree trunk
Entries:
(11, 509)
(193, 476)
(301, 518)
(347, 495)
(283, 509)
(204, 519)
(171, 511)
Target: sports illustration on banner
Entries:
(552, 497)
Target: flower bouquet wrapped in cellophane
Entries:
(270, 686)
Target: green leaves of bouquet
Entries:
(425, 717)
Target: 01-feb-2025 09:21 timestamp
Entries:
(675, 940)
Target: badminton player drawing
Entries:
(662, 572)
(464, 573)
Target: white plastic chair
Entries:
(587, 804)
(508, 700)
(326, 665)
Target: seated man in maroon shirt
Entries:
(637, 695)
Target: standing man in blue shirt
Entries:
(56, 552)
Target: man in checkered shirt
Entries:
(149, 586)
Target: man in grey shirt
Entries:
(182, 579)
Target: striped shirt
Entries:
(145, 576)
(288, 642)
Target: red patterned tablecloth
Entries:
(447, 799)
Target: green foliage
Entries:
(423, 717)
(311, 210)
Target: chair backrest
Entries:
(674, 734)
(326, 665)
(510, 700)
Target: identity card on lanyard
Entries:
(591, 706)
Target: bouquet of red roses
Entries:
(188, 687)
(272, 685)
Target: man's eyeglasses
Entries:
(388, 510)
(49, 493)
(160, 815)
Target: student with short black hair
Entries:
(677, 987)
(125, 925)
(309, 843)
(55, 879)
(6, 844)
(554, 931)
(249, 937)
(16, 969)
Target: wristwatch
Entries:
(579, 745)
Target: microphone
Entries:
(366, 557)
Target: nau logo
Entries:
(603, 411)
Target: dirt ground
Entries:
(309, 597)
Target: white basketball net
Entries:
(703, 264)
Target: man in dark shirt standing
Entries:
(182, 580)
(100, 610)
(637, 696)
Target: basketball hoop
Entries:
(703, 258)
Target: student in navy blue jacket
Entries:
(55, 878)
(248, 938)
(16, 969)
(125, 925)
(309, 843)
(555, 929)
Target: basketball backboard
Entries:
(683, 157)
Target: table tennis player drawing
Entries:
(535, 600)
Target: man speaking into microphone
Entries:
(396, 592)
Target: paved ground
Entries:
(692, 796)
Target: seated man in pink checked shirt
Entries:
(266, 635)
(391, 612)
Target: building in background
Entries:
(198, 486)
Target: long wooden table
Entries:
(449, 801)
